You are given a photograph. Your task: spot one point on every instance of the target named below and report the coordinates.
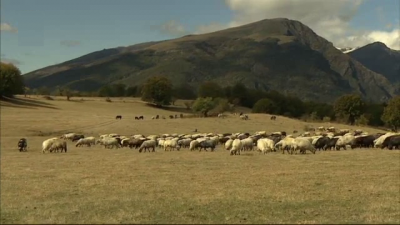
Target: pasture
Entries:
(97, 185)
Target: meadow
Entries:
(97, 185)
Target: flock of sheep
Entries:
(319, 139)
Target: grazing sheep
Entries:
(344, 140)
(171, 145)
(236, 147)
(146, 145)
(184, 143)
(247, 144)
(303, 145)
(207, 144)
(47, 144)
(194, 145)
(118, 117)
(379, 141)
(265, 145)
(88, 141)
(228, 144)
(110, 142)
(54, 144)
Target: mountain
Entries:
(380, 59)
(347, 49)
(274, 54)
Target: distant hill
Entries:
(380, 59)
(274, 54)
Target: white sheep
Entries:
(228, 144)
(265, 145)
(110, 142)
(379, 141)
(88, 141)
(236, 147)
(146, 145)
(303, 145)
(171, 145)
(247, 144)
(344, 140)
(285, 144)
(194, 145)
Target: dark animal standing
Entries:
(273, 117)
(322, 143)
(391, 142)
(118, 117)
(171, 116)
(22, 145)
(181, 115)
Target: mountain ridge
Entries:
(273, 54)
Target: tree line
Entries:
(212, 97)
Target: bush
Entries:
(362, 120)
(326, 119)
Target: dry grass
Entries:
(94, 185)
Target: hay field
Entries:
(96, 185)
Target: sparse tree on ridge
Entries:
(158, 90)
(391, 113)
(11, 81)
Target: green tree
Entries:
(184, 91)
(210, 89)
(351, 106)
(131, 91)
(391, 113)
(118, 90)
(157, 90)
(222, 105)
(265, 105)
(204, 105)
(11, 81)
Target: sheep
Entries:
(184, 143)
(193, 145)
(236, 147)
(379, 141)
(302, 145)
(47, 144)
(285, 144)
(59, 145)
(88, 141)
(146, 145)
(171, 144)
(68, 136)
(247, 144)
(111, 142)
(207, 144)
(264, 145)
(344, 140)
(228, 144)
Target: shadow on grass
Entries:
(26, 103)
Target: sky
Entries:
(39, 33)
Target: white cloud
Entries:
(6, 27)
(172, 28)
(70, 43)
(329, 19)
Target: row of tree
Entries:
(210, 96)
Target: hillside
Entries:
(380, 59)
(274, 54)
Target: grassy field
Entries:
(96, 185)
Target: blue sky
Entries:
(39, 33)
